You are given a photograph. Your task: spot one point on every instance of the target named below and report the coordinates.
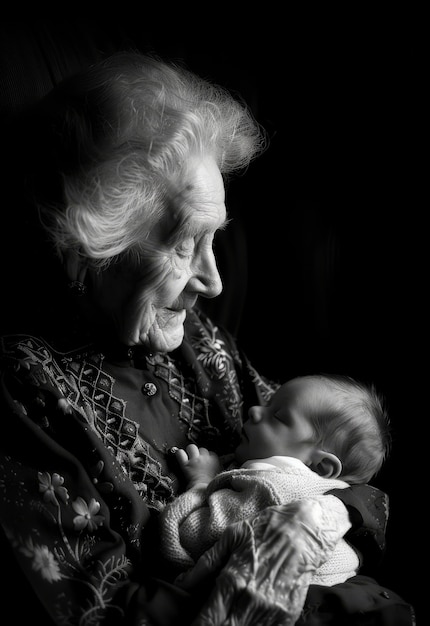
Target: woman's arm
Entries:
(259, 571)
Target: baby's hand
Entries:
(199, 465)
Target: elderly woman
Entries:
(124, 170)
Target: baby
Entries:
(318, 433)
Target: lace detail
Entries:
(84, 386)
(193, 408)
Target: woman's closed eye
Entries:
(185, 249)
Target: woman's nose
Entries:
(255, 414)
(206, 279)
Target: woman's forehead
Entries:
(194, 208)
(201, 182)
(198, 205)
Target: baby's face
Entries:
(283, 427)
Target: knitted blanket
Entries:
(197, 518)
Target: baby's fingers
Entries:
(192, 451)
(181, 456)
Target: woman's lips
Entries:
(176, 314)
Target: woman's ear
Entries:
(326, 464)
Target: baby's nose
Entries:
(255, 413)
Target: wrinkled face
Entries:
(148, 304)
(283, 427)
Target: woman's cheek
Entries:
(166, 279)
(181, 269)
(177, 274)
(164, 272)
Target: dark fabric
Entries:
(368, 510)
(360, 601)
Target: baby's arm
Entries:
(198, 465)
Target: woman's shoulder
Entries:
(32, 359)
(23, 347)
(33, 349)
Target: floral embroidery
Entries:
(87, 514)
(67, 561)
(266, 388)
(45, 562)
(52, 487)
(213, 356)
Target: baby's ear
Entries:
(326, 464)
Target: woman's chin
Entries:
(165, 334)
(165, 339)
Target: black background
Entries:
(334, 214)
(335, 217)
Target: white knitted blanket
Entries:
(197, 518)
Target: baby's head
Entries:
(349, 420)
(336, 425)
